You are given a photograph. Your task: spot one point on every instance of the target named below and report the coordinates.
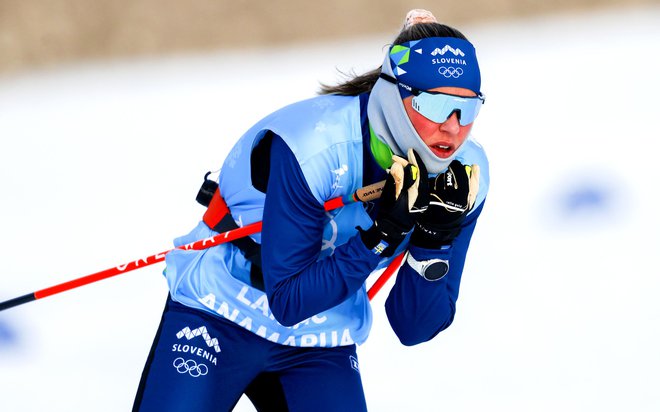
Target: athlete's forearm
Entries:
(320, 285)
(419, 309)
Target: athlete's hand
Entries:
(453, 194)
(404, 197)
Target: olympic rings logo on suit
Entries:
(448, 72)
(190, 367)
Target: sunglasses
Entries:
(438, 107)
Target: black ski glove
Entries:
(405, 195)
(453, 194)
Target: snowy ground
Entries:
(100, 164)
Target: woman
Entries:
(278, 316)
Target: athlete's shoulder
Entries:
(320, 105)
(327, 142)
(473, 153)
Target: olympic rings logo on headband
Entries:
(448, 72)
(190, 367)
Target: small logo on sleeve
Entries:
(380, 247)
(354, 363)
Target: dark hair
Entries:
(356, 84)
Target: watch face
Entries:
(436, 271)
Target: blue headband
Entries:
(436, 62)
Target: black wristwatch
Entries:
(431, 270)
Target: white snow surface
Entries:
(100, 164)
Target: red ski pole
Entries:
(385, 276)
(363, 194)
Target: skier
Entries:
(277, 316)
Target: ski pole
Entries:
(364, 194)
(385, 276)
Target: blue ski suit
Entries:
(292, 346)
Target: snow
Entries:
(100, 164)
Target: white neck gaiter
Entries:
(390, 122)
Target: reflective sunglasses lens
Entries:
(439, 107)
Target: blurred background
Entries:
(112, 112)
(39, 33)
